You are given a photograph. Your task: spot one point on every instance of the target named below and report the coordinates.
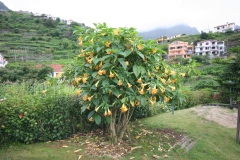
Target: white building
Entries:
(3, 61)
(213, 48)
(225, 27)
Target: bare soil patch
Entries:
(223, 116)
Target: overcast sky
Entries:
(143, 15)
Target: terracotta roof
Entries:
(56, 67)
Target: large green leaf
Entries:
(97, 119)
(123, 63)
(143, 70)
(96, 60)
(106, 65)
(125, 53)
(96, 101)
(94, 74)
(140, 54)
(90, 114)
(136, 70)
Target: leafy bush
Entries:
(39, 112)
(194, 98)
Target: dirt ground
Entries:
(223, 116)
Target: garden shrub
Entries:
(39, 112)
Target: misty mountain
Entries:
(171, 31)
(3, 7)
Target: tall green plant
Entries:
(120, 72)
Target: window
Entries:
(218, 28)
(172, 48)
(213, 42)
(207, 43)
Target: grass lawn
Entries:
(151, 140)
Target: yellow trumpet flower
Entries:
(173, 88)
(120, 83)
(90, 119)
(162, 90)
(163, 80)
(154, 90)
(166, 71)
(139, 80)
(96, 85)
(172, 72)
(182, 74)
(90, 98)
(137, 103)
(44, 91)
(100, 72)
(141, 91)
(118, 96)
(105, 114)
(78, 92)
(115, 31)
(151, 102)
(84, 80)
(139, 47)
(154, 50)
(77, 79)
(109, 112)
(111, 75)
(127, 63)
(129, 85)
(107, 44)
(96, 109)
(80, 38)
(85, 75)
(103, 71)
(123, 108)
(84, 98)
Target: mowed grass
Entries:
(214, 142)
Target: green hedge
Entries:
(29, 115)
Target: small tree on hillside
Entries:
(117, 71)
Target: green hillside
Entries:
(25, 37)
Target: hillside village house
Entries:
(57, 69)
(180, 49)
(3, 61)
(213, 48)
(225, 27)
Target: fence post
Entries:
(238, 125)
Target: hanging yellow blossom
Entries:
(127, 63)
(107, 44)
(100, 72)
(141, 91)
(90, 119)
(80, 43)
(173, 81)
(80, 38)
(109, 92)
(172, 72)
(115, 31)
(111, 75)
(143, 85)
(163, 80)
(166, 99)
(89, 98)
(44, 91)
(149, 74)
(173, 88)
(96, 109)
(137, 103)
(109, 112)
(85, 75)
(77, 79)
(104, 72)
(97, 67)
(129, 85)
(118, 96)
(85, 98)
(103, 34)
(90, 54)
(162, 90)
(84, 79)
(123, 108)
(109, 52)
(132, 103)
(157, 67)
(105, 114)
(154, 50)
(151, 102)
(166, 71)
(120, 83)
(78, 92)
(91, 41)
(154, 90)
(100, 65)
(88, 107)
(139, 47)
(96, 85)
(182, 74)
(139, 80)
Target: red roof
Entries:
(56, 67)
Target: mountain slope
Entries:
(3, 7)
(172, 31)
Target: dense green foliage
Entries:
(39, 112)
